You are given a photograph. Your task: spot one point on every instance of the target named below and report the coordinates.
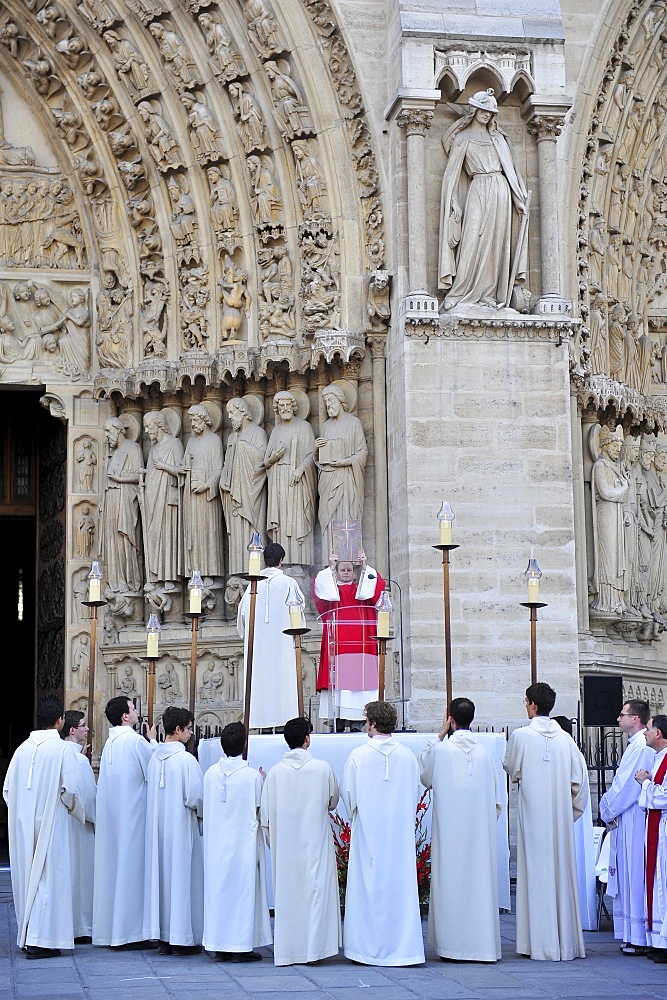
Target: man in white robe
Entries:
(463, 920)
(653, 798)
(42, 791)
(74, 733)
(236, 908)
(273, 696)
(620, 810)
(174, 886)
(120, 830)
(553, 789)
(380, 790)
(298, 794)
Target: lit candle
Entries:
(533, 575)
(255, 548)
(295, 616)
(446, 518)
(94, 583)
(195, 587)
(152, 642)
(384, 618)
(533, 590)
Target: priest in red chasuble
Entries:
(348, 674)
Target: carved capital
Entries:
(545, 126)
(351, 369)
(378, 346)
(415, 121)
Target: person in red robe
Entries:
(348, 675)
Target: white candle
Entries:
(533, 591)
(295, 616)
(152, 645)
(195, 601)
(93, 590)
(254, 564)
(383, 624)
(445, 532)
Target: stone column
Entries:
(378, 345)
(578, 494)
(415, 121)
(546, 127)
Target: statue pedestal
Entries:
(553, 305)
(418, 309)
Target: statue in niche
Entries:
(205, 133)
(250, 120)
(99, 13)
(262, 27)
(644, 349)
(114, 327)
(599, 336)
(202, 506)
(266, 201)
(657, 495)
(145, 10)
(310, 183)
(86, 460)
(597, 245)
(127, 684)
(232, 668)
(195, 296)
(84, 534)
(161, 500)
(119, 530)
(41, 73)
(647, 449)
(227, 62)
(169, 684)
(243, 480)
(210, 689)
(129, 65)
(291, 479)
(378, 304)
(156, 296)
(224, 207)
(74, 340)
(341, 460)
(71, 49)
(289, 109)
(161, 140)
(631, 515)
(277, 320)
(81, 659)
(619, 181)
(478, 249)
(234, 298)
(183, 211)
(618, 360)
(609, 491)
(177, 57)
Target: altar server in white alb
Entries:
(42, 790)
(74, 733)
(298, 794)
(381, 789)
(120, 831)
(553, 790)
(463, 921)
(274, 696)
(653, 799)
(236, 908)
(620, 810)
(174, 888)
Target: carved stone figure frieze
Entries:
(210, 690)
(224, 204)
(146, 10)
(341, 459)
(310, 183)
(39, 225)
(178, 59)
(291, 478)
(81, 659)
(127, 682)
(204, 130)
(320, 279)
(243, 479)
(160, 136)
(249, 116)
(169, 684)
(289, 108)
(609, 492)
(202, 506)
(478, 256)
(33, 328)
(131, 68)
(84, 532)
(234, 298)
(183, 224)
(227, 62)
(161, 498)
(266, 201)
(120, 545)
(86, 464)
(262, 27)
(195, 296)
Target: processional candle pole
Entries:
(297, 628)
(94, 602)
(255, 548)
(446, 518)
(384, 610)
(152, 656)
(195, 587)
(533, 576)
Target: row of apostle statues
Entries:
(629, 527)
(178, 506)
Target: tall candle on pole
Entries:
(94, 602)
(152, 654)
(384, 609)
(195, 587)
(297, 627)
(446, 518)
(533, 576)
(255, 549)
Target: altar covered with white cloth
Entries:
(265, 751)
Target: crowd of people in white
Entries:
(159, 854)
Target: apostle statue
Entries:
(289, 462)
(631, 516)
(202, 507)
(243, 480)
(609, 491)
(161, 500)
(484, 212)
(119, 533)
(342, 455)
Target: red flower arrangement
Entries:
(342, 833)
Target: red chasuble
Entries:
(349, 627)
(652, 832)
